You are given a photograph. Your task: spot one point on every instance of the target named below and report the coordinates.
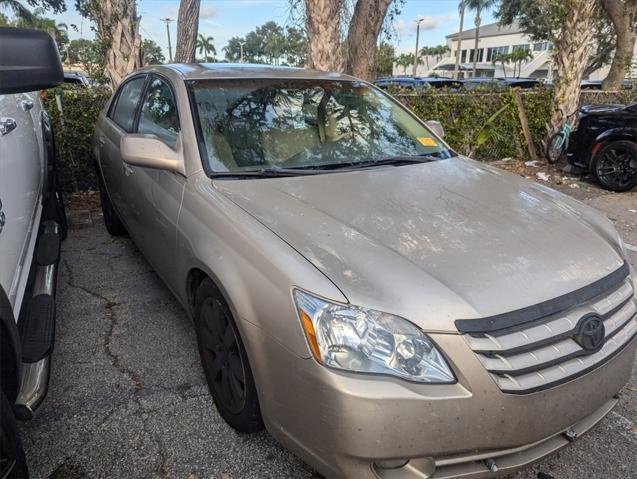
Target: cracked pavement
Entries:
(128, 398)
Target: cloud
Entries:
(429, 22)
(207, 12)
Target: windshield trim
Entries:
(201, 144)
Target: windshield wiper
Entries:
(262, 173)
(390, 160)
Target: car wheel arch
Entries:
(614, 134)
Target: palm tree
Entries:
(16, 8)
(425, 52)
(205, 46)
(517, 57)
(502, 58)
(478, 6)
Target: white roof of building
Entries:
(490, 30)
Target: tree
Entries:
(517, 57)
(151, 53)
(568, 25)
(295, 46)
(478, 6)
(19, 9)
(89, 55)
(323, 18)
(502, 59)
(622, 14)
(117, 33)
(205, 45)
(37, 21)
(187, 25)
(404, 60)
(425, 52)
(362, 35)
(385, 59)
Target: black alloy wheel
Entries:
(615, 165)
(225, 362)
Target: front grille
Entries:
(541, 352)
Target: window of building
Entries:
(540, 46)
(480, 54)
(495, 51)
(523, 46)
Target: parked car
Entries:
(501, 83)
(597, 84)
(32, 224)
(384, 306)
(408, 83)
(605, 144)
(76, 78)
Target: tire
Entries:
(113, 224)
(12, 461)
(225, 362)
(615, 165)
(555, 148)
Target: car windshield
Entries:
(270, 124)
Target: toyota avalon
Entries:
(382, 305)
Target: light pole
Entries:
(168, 21)
(417, 37)
(241, 44)
(456, 70)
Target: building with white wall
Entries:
(493, 39)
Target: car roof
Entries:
(213, 71)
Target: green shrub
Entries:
(73, 129)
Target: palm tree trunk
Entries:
(571, 54)
(118, 27)
(475, 47)
(322, 22)
(187, 26)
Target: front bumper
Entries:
(343, 424)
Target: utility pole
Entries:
(168, 21)
(241, 44)
(417, 37)
(456, 70)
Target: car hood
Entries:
(438, 241)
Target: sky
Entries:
(223, 19)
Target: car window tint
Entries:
(159, 112)
(124, 112)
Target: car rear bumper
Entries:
(343, 424)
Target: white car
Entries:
(32, 225)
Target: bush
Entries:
(482, 124)
(73, 131)
(486, 125)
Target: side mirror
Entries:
(151, 152)
(436, 127)
(29, 61)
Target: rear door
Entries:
(21, 174)
(120, 120)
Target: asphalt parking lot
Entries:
(128, 398)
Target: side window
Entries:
(159, 112)
(124, 112)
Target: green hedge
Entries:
(73, 129)
(482, 124)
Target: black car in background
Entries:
(605, 144)
(411, 83)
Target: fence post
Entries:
(525, 124)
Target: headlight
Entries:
(367, 341)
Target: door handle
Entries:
(101, 140)
(128, 170)
(7, 125)
(3, 218)
(26, 105)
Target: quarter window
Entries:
(159, 112)
(124, 112)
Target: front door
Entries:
(154, 196)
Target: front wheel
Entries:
(615, 165)
(225, 362)
(556, 148)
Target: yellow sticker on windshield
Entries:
(426, 141)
